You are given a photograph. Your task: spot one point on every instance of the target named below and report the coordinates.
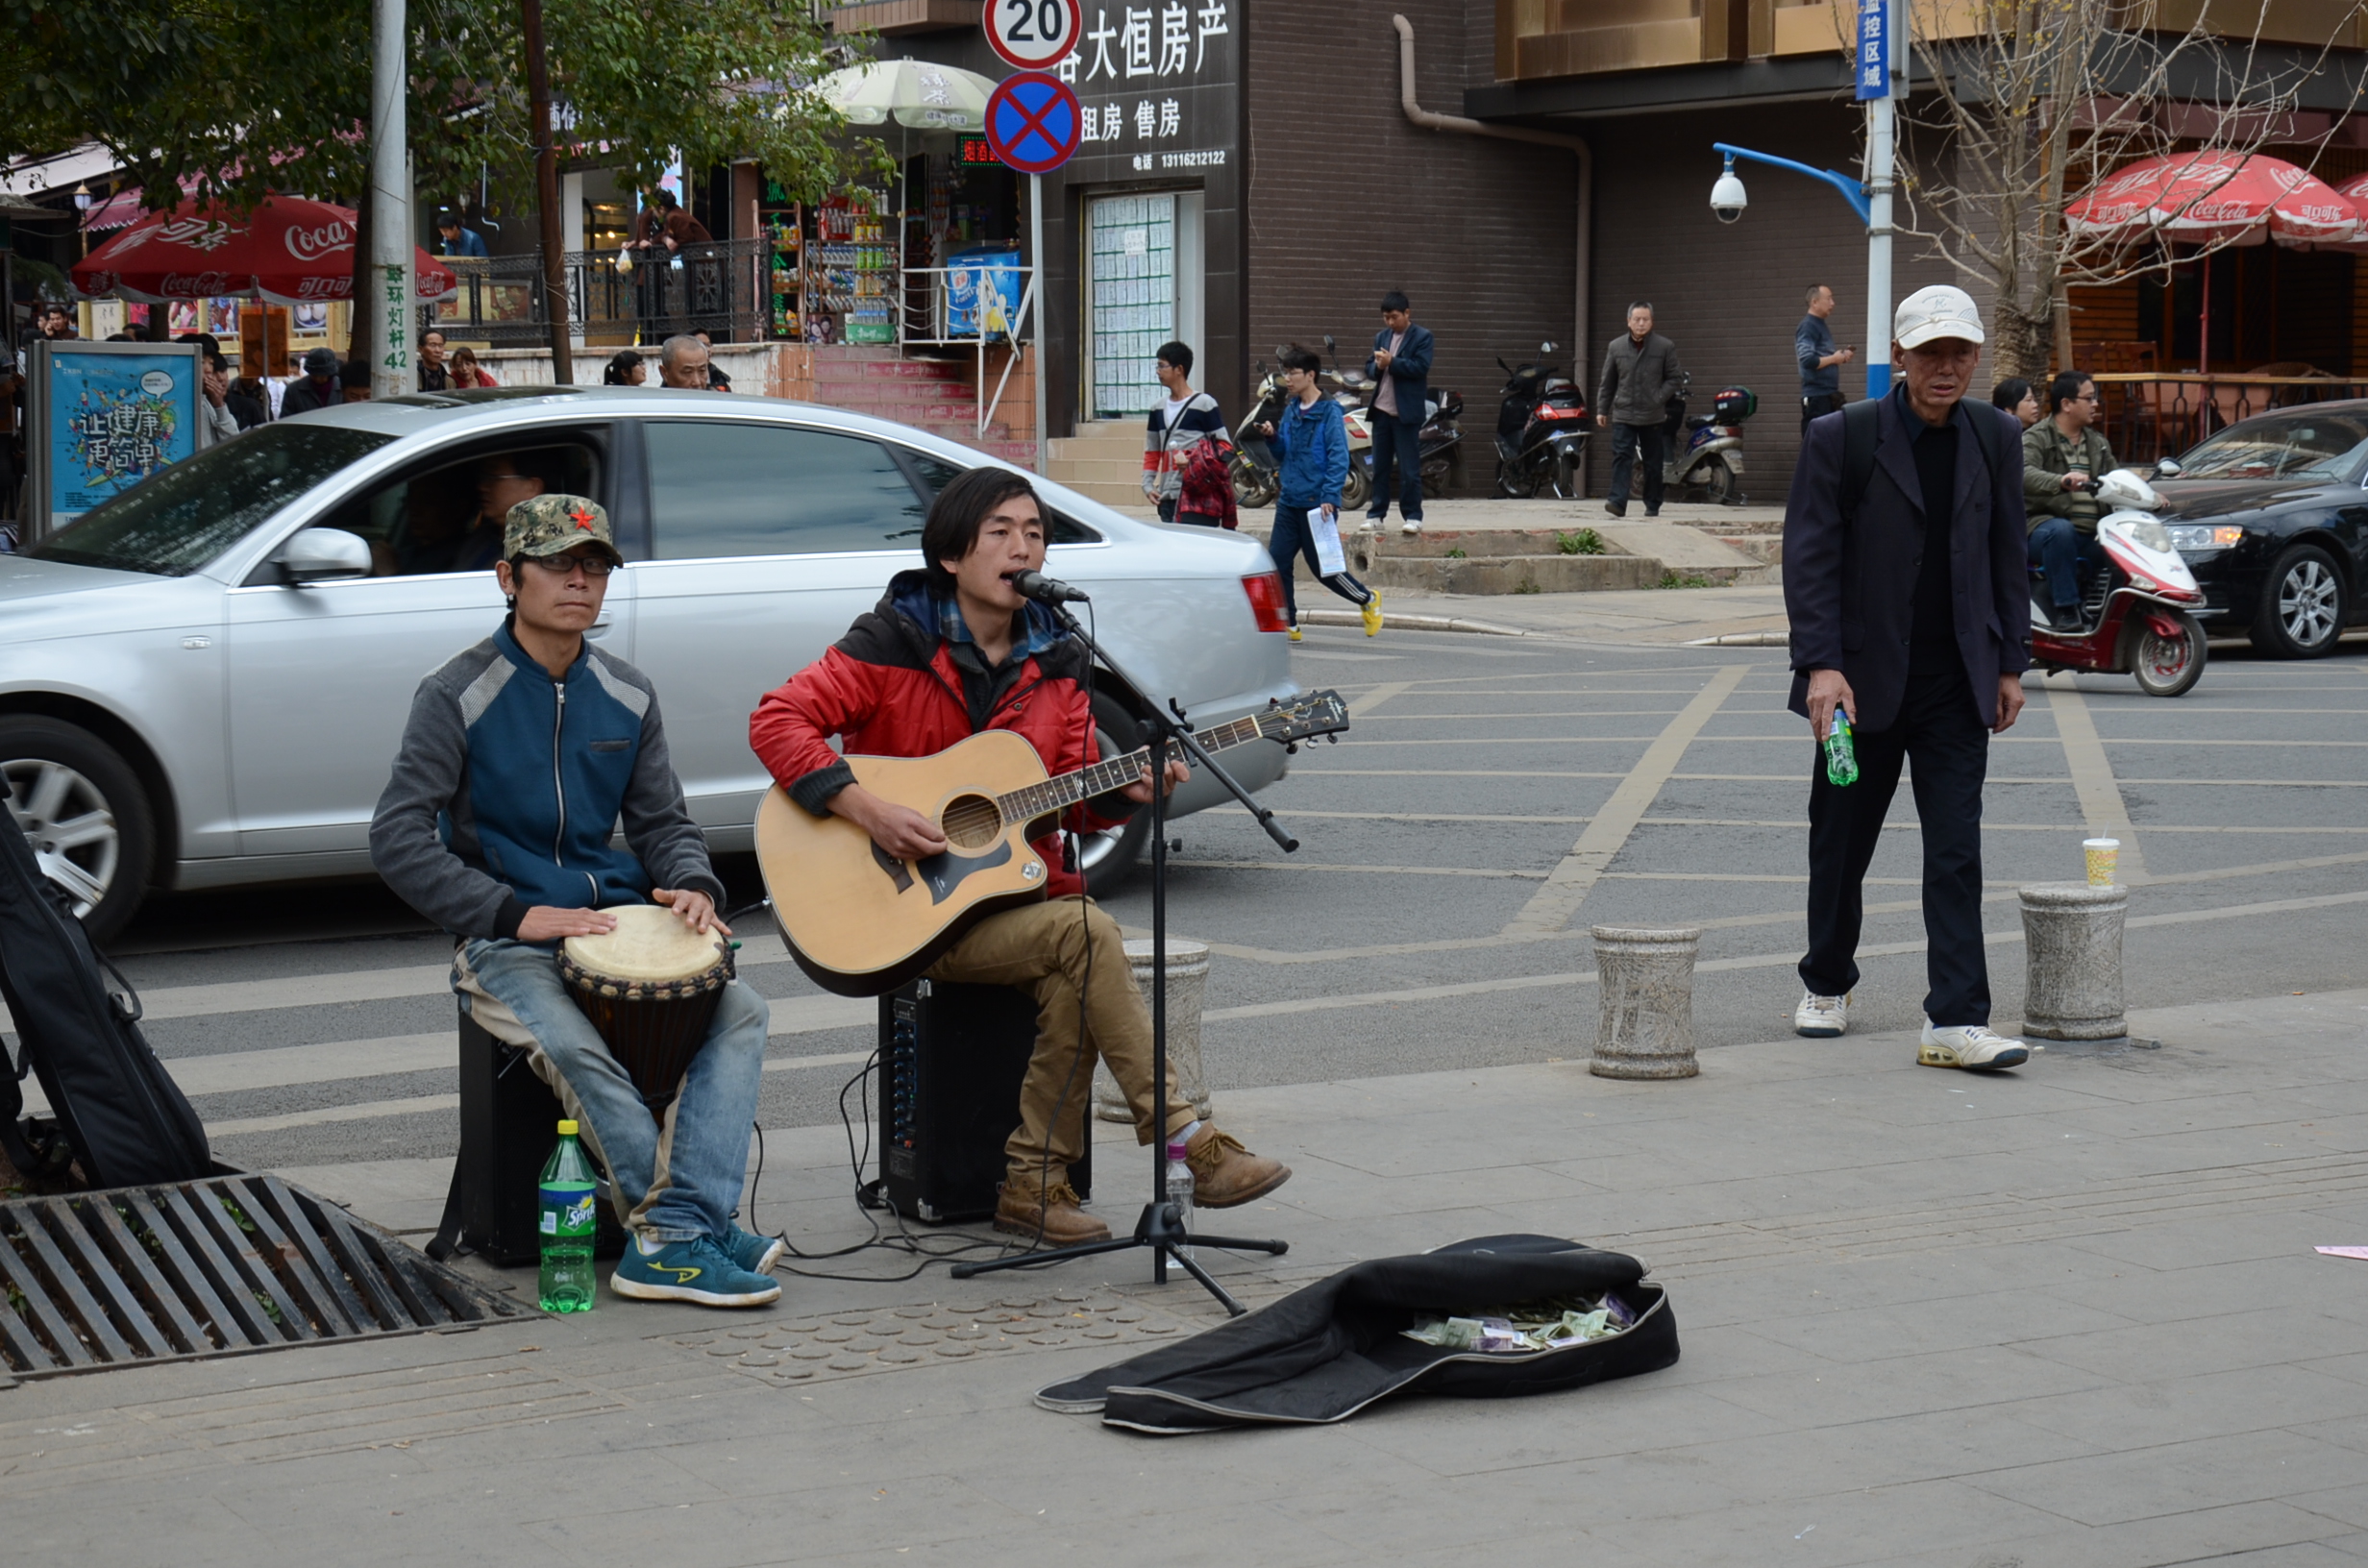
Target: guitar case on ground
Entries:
(126, 1121)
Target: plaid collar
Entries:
(1037, 631)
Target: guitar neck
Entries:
(1057, 794)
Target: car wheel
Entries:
(2302, 608)
(85, 814)
(2170, 665)
(1108, 858)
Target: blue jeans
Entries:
(674, 1182)
(1397, 445)
(1292, 539)
(2062, 553)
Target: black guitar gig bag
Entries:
(126, 1119)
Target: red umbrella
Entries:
(2203, 197)
(288, 251)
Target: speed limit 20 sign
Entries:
(1033, 34)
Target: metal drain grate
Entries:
(143, 1274)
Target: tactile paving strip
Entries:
(966, 1326)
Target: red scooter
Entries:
(2139, 610)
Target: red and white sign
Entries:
(1033, 34)
(288, 251)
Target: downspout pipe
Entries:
(1574, 145)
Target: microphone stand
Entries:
(1160, 1227)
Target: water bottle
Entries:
(1179, 1185)
(1841, 758)
(568, 1223)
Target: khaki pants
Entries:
(1042, 948)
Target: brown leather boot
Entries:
(1020, 1210)
(1225, 1174)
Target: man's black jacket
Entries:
(1410, 368)
(1850, 583)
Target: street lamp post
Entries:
(1875, 68)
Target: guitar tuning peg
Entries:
(1291, 749)
(1334, 739)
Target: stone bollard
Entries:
(2072, 935)
(1647, 1026)
(1188, 982)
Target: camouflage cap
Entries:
(552, 525)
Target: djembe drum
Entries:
(650, 989)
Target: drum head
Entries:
(650, 944)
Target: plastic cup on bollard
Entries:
(2104, 857)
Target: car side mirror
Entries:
(321, 555)
(2166, 468)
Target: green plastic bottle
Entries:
(570, 1218)
(1841, 758)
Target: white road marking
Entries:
(1566, 886)
(2092, 780)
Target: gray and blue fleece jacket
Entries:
(508, 786)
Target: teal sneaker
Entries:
(695, 1271)
(757, 1254)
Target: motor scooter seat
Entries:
(1695, 421)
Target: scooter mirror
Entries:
(1546, 347)
(2167, 468)
(1330, 344)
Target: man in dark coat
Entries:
(1400, 369)
(1910, 615)
(1639, 377)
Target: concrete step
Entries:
(1109, 494)
(1768, 549)
(1505, 574)
(1459, 543)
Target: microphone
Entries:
(1045, 590)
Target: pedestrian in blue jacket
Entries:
(1311, 441)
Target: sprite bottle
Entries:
(1841, 758)
(569, 1221)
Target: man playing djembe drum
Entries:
(953, 649)
(521, 755)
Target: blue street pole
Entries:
(1877, 69)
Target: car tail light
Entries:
(1265, 592)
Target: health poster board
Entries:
(105, 416)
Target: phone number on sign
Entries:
(1180, 160)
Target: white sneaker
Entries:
(1409, 525)
(1821, 1017)
(1973, 1047)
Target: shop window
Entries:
(720, 489)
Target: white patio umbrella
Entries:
(916, 93)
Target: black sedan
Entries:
(2272, 517)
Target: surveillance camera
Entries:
(1727, 198)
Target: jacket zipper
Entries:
(558, 784)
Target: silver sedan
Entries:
(203, 682)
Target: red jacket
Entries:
(890, 688)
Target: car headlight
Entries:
(2198, 536)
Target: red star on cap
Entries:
(581, 517)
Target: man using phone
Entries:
(1821, 362)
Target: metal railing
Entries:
(2151, 415)
(978, 315)
(725, 287)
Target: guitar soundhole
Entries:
(971, 822)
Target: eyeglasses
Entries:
(560, 565)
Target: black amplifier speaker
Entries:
(509, 1121)
(952, 1057)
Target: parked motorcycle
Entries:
(1439, 437)
(1541, 431)
(1353, 391)
(2139, 611)
(1257, 473)
(1704, 455)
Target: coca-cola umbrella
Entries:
(2218, 198)
(288, 251)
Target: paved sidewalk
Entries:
(2070, 1316)
(1644, 617)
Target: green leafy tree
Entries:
(240, 97)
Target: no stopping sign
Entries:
(1033, 122)
(1033, 34)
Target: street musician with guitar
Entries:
(951, 655)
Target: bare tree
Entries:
(2033, 101)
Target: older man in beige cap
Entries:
(522, 754)
(1905, 580)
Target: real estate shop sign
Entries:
(1160, 86)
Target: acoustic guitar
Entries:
(862, 922)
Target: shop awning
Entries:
(2218, 198)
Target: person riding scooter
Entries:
(2063, 457)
